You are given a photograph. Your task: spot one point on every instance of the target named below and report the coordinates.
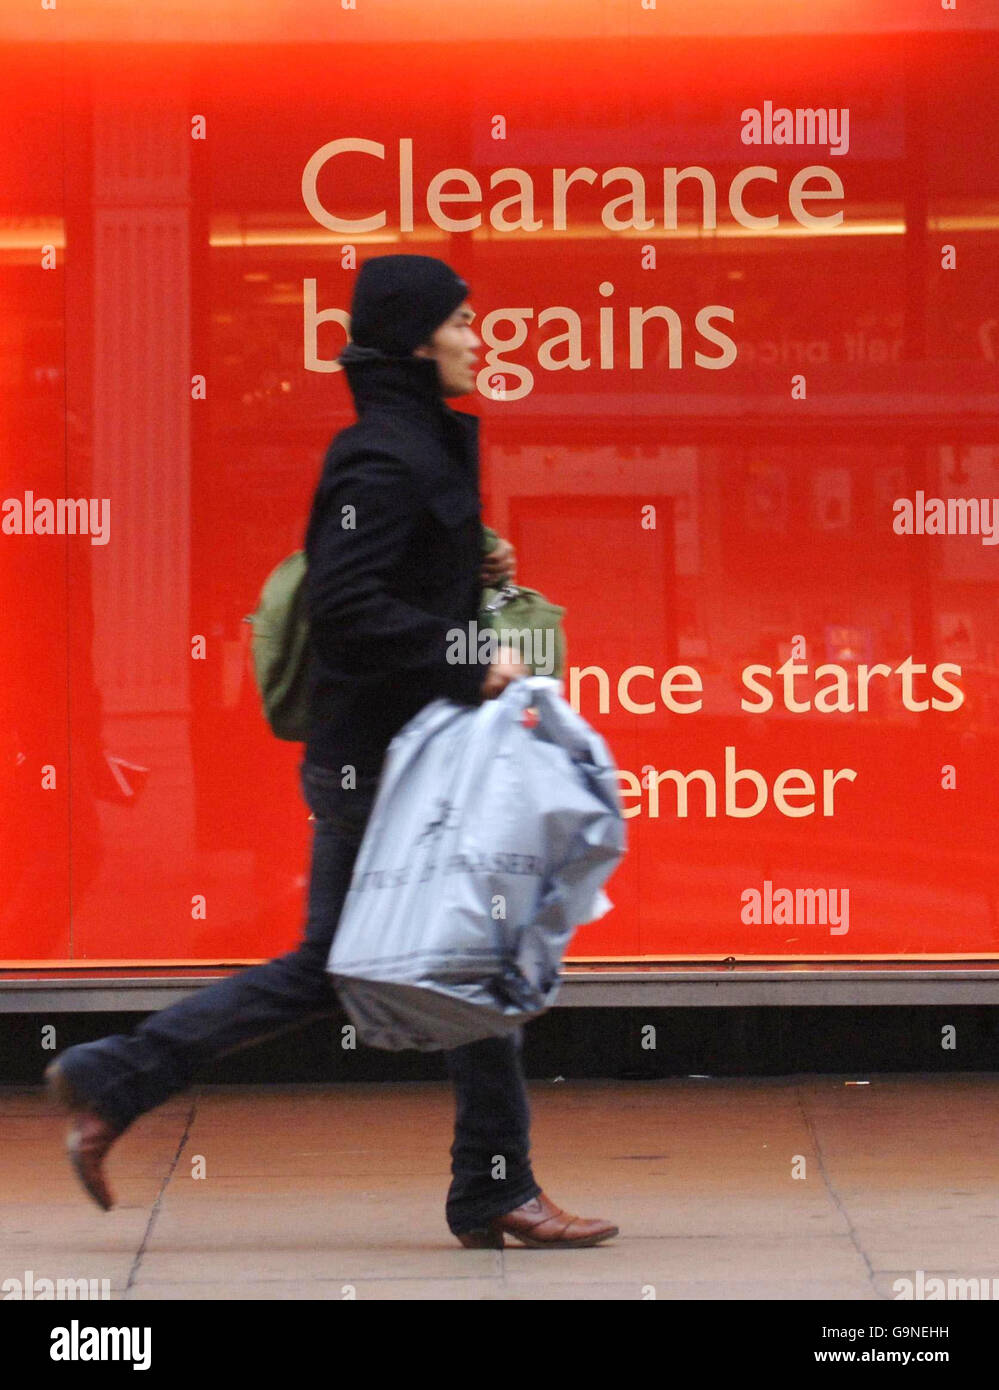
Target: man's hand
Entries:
(505, 668)
(498, 566)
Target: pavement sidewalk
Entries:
(782, 1188)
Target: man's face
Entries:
(453, 348)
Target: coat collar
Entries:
(408, 384)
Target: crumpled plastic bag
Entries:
(487, 845)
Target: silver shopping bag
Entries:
(487, 845)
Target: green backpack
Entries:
(280, 641)
(280, 648)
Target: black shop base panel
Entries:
(614, 1021)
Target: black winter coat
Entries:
(384, 593)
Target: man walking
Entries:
(394, 563)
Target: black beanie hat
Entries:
(399, 301)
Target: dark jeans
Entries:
(125, 1075)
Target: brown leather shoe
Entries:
(542, 1225)
(89, 1136)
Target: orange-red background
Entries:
(178, 257)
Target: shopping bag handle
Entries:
(556, 722)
